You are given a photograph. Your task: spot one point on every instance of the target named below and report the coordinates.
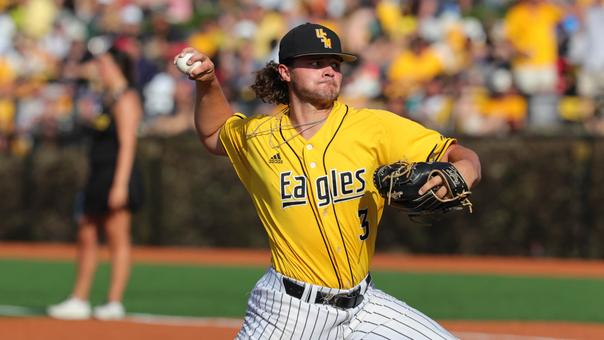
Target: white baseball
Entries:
(181, 63)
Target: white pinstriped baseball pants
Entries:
(273, 314)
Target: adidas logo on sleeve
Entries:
(276, 159)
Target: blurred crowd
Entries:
(490, 67)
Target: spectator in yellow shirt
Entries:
(530, 29)
(413, 68)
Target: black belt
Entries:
(346, 300)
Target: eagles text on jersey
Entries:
(333, 188)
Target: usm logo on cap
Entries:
(321, 35)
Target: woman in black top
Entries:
(113, 190)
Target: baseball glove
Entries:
(399, 182)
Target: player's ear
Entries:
(284, 72)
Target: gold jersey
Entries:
(316, 197)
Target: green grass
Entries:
(223, 291)
(490, 297)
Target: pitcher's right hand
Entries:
(205, 72)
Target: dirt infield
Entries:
(398, 262)
(43, 328)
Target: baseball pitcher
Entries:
(309, 169)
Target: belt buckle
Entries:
(337, 300)
(327, 299)
(348, 300)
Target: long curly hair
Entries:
(269, 87)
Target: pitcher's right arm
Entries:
(211, 106)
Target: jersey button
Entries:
(309, 146)
(313, 165)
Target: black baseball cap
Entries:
(311, 39)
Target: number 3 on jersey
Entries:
(364, 224)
